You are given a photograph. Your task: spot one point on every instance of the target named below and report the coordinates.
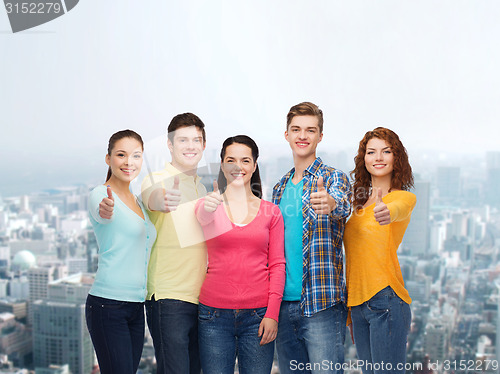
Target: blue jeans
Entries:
(380, 328)
(173, 325)
(117, 332)
(229, 333)
(311, 344)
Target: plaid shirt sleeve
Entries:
(323, 282)
(340, 189)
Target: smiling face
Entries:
(186, 148)
(303, 134)
(379, 158)
(238, 164)
(125, 159)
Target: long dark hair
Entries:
(402, 176)
(255, 183)
(118, 136)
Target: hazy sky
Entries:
(427, 69)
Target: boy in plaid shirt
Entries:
(315, 201)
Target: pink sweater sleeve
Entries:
(202, 215)
(276, 263)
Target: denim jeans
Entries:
(380, 328)
(229, 333)
(117, 332)
(173, 325)
(311, 344)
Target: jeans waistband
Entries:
(104, 299)
(385, 291)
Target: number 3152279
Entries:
(33, 8)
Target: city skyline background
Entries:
(429, 71)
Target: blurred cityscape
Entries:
(450, 261)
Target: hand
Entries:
(381, 212)
(166, 200)
(321, 201)
(213, 199)
(268, 329)
(172, 197)
(106, 206)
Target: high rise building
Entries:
(492, 179)
(416, 239)
(39, 278)
(19, 288)
(77, 265)
(17, 307)
(435, 340)
(15, 339)
(419, 288)
(448, 185)
(437, 236)
(60, 334)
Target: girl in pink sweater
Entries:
(241, 296)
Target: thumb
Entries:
(110, 194)
(379, 197)
(320, 184)
(176, 183)
(216, 186)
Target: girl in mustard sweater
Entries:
(377, 298)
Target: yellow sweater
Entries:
(371, 260)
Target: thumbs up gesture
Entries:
(172, 197)
(321, 201)
(213, 199)
(381, 212)
(106, 206)
(165, 200)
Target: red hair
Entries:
(402, 176)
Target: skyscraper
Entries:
(493, 178)
(15, 339)
(416, 239)
(448, 185)
(435, 340)
(60, 335)
(39, 278)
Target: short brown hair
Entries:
(305, 109)
(185, 120)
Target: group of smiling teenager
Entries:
(225, 274)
